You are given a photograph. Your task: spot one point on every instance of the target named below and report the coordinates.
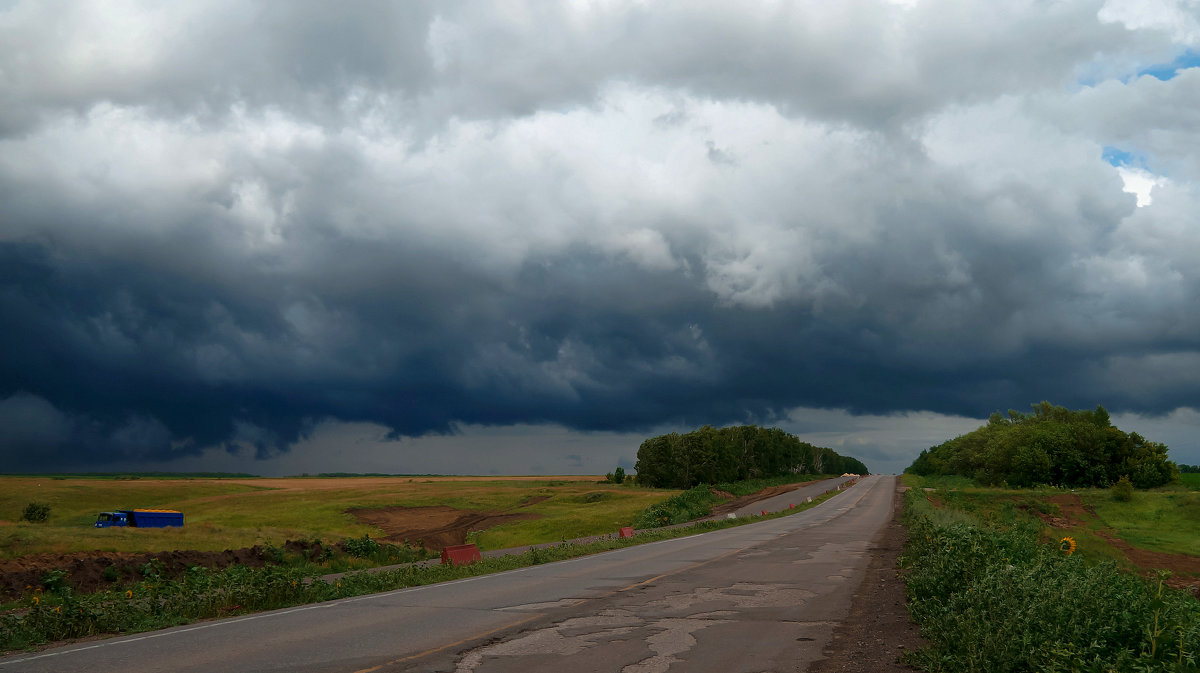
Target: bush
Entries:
(360, 547)
(36, 512)
(691, 504)
(998, 600)
(619, 476)
(1122, 491)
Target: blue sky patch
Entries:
(1119, 157)
(1166, 71)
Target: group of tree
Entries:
(1052, 445)
(1189, 469)
(714, 455)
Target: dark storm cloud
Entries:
(224, 225)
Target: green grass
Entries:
(1191, 480)
(232, 513)
(224, 514)
(1164, 521)
(990, 596)
(572, 514)
(937, 481)
(750, 486)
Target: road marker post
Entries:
(627, 531)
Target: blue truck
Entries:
(140, 518)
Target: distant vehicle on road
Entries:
(140, 518)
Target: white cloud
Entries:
(1140, 183)
(315, 200)
(1178, 18)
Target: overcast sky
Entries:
(507, 237)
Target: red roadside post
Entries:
(627, 531)
(460, 554)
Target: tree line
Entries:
(1052, 445)
(714, 455)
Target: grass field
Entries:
(232, 513)
(1161, 520)
(1165, 521)
(1191, 480)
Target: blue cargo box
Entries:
(154, 518)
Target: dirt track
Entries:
(434, 527)
(1185, 570)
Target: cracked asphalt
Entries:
(755, 598)
(769, 606)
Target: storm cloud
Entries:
(224, 226)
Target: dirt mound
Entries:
(436, 526)
(94, 571)
(738, 503)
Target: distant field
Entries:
(232, 513)
(1191, 480)
(1159, 520)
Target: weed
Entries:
(360, 547)
(55, 581)
(999, 600)
(1122, 491)
(36, 512)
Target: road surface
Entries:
(760, 597)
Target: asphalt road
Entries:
(760, 597)
(797, 496)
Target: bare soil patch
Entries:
(89, 572)
(878, 629)
(1185, 570)
(433, 527)
(738, 503)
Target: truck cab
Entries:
(140, 518)
(108, 519)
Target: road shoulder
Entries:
(878, 628)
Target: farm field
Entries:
(233, 513)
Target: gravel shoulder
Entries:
(878, 628)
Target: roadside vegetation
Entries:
(1053, 541)
(996, 596)
(52, 612)
(699, 501)
(714, 455)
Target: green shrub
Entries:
(55, 581)
(360, 547)
(1123, 490)
(691, 504)
(999, 600)
(36, 512)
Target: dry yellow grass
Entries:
(231, 513)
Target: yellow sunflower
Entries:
(1067, 545)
